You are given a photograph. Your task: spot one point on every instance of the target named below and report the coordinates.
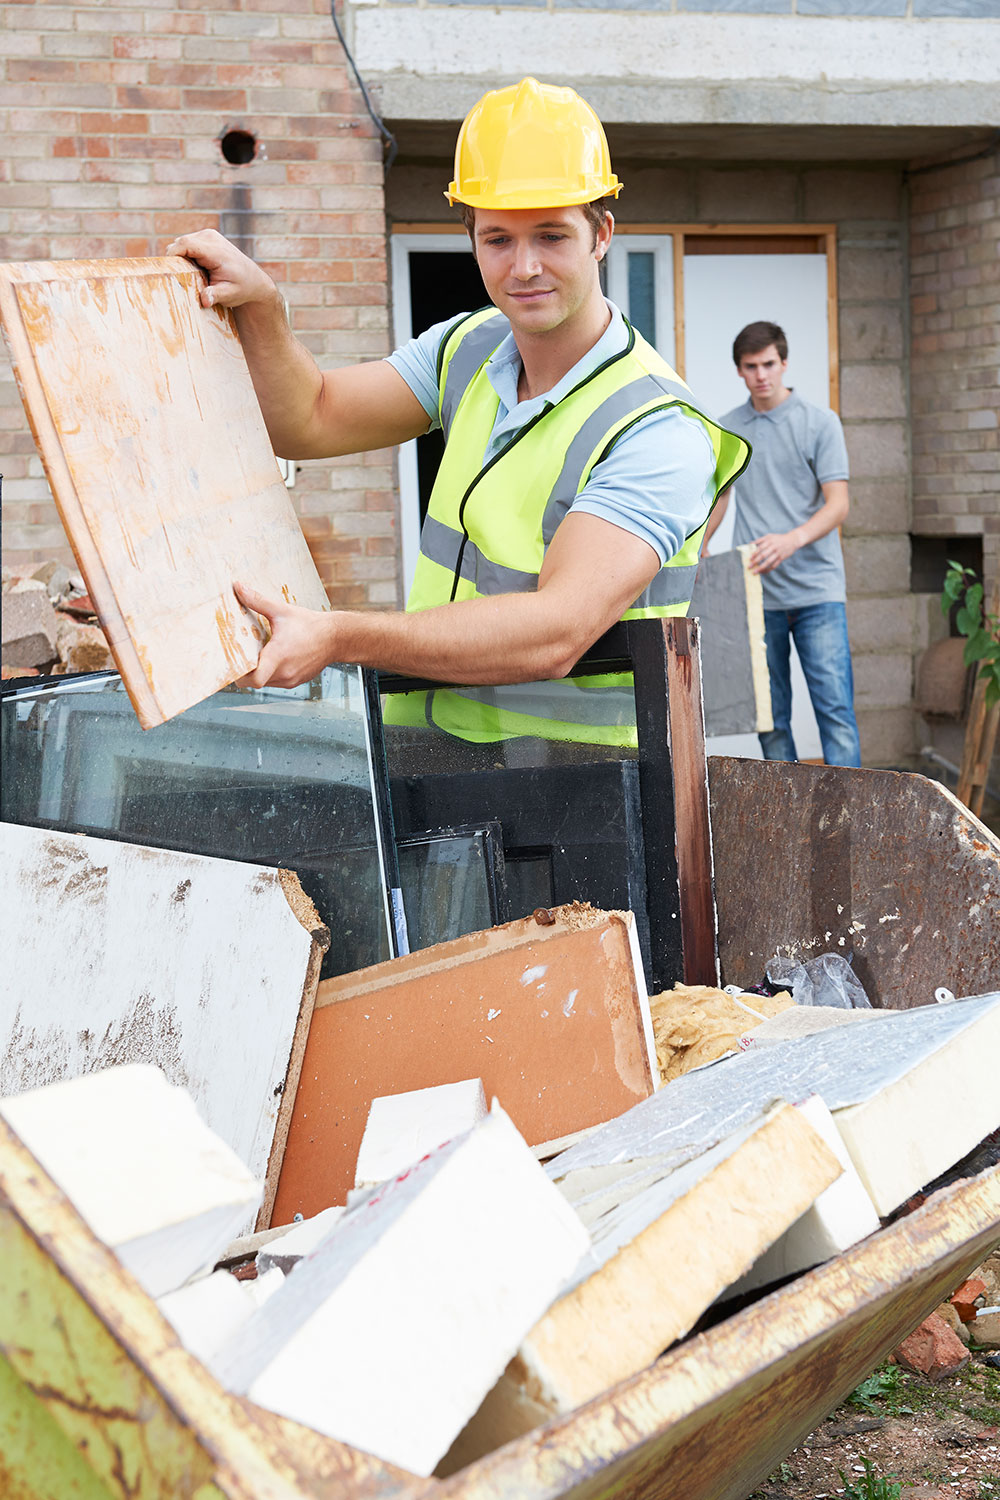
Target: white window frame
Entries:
(661, 246)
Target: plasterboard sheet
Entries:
(848, 1067)
(729, 602)
(145, 416)
(120, 953)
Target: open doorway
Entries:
(434, 277)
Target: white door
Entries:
(722, 293)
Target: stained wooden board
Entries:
(554, 1019)
(120, 953)
(882, 864)
(146, 420)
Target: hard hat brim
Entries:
(534, 197)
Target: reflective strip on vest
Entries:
(473, 350)
(585, 710)
(442, 544)
(621, 404)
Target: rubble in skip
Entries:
(483, 1270)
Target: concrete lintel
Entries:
(748, 69)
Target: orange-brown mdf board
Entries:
(146, 420)
(552, 1017)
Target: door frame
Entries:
(405, 237)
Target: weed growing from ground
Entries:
(882, 1383)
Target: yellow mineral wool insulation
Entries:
(694, 1024)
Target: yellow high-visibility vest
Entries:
(488, 525)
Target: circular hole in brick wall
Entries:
(238, 147)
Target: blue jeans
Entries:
(820, 635)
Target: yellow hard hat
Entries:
(533, 145)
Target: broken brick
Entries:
(933, 1349)
(29, 627)
(963, 1299)
(954, 1322)
(83, 647)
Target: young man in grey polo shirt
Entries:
(789, 504)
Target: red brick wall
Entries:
(112, 121)
(955, 352)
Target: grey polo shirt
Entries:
(797, 447)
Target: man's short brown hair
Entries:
(594, 213)
(756, 337)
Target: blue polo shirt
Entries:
(797, 448)
(658, 481)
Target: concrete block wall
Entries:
(955, 384)
(112, 119)
(955, 352)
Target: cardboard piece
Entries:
(389, 1335)
(145, 417)
(149, 1177)
(404, 1127)
(661, 1253)
(120, 953)
(553, 1018)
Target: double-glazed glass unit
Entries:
(270, 777)
(295, 778)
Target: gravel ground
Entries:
(942, 1438)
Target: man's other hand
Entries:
(300, 643)
(772, 550)
(233, 278)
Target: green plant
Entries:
(989, 1487)
(870, 1488)
(879, 1385)
(978, 625)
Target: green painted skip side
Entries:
(84, 1419)
(37, 1459)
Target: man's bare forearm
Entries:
(592, 572)
(504, 638)
(288, 382)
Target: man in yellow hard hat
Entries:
(578, 472)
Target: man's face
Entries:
(763, 374)
(539, 265)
